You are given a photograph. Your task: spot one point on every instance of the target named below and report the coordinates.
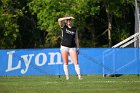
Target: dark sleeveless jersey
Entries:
(68, 36)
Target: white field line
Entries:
(82, 81)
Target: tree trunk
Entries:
(109, 29)
(109, 18)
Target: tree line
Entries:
(33, 23)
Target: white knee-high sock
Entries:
(77, 69)
(65, 67)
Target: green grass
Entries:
(53, 84)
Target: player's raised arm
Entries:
(61, 21)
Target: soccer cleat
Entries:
(67, 77)
(80, 78)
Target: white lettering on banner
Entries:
(44, 59)
(52, 55)
(55, 59)
(27, 62)
(10, 59)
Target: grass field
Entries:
(54, 84)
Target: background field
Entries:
(54, 84)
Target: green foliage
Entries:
(49, 11)
(8, 25)
(33, 23)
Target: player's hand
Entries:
(77, 51)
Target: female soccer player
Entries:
(69, 45)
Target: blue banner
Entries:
(27, 62)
